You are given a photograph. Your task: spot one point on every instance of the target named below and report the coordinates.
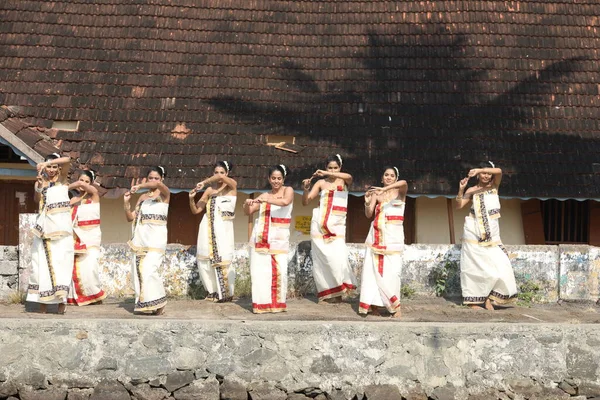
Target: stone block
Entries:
(178, 379)
(266, 391)
(9, 267)
(200, 389)
(145, 392)
(52, 393)
(582, 363)
(579, 272)
(324, 364)
(185, 358)
(447, 392)
(589, 389)
(232, 390)
(79, 394)
(299, 396)
(147, 367)
(539, 265)
(567, 388)
(110, 390)
(32, 377)
(375, 392)
(8, 389)
(107, 363)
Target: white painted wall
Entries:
(432, 221)
(116, 229)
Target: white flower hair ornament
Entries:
(339, 159)
(283, 169)
(492, 164)
(226, 165)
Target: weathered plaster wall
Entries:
(579, 270)
(566, 271)
(9, 270)
(448, 361)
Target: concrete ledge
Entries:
(297, 356)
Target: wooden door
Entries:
(15, 197)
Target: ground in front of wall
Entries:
(425, 309)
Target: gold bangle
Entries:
(458, 198)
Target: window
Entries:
(65, 125)
(566, 221)
(7, 155)
(274, 140)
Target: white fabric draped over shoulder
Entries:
(382, 268)
(85, 285)
(331, 268)
(52, 252)
(485, 269)
(149, 243)
(150, 227)
(215, 247)
(269, 247)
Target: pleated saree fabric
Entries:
(52, 252)
(149, 243)
(382, 268)
(269, 248)
(331, 269)
(485, 269)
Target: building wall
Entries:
(116, 229)
(432, 221)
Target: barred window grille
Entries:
(566, 221)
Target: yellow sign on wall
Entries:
(303, 224)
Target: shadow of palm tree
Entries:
(419, 103)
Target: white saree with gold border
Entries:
(52, 251)
(269, 247)
(382, 268)
(485, 269)
(331, 268)
(149, 243)
(215, 247)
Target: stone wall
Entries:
(158, 358)
(9, 270)
(565, 272)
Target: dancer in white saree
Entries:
(85, 285)
(486, 275)
(216, 236)
(331, 269)
(380, 281)
(52, 251)
(270, 243)
(149, 240)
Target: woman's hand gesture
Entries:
(463, 183)
(473, 172)
(306, 184)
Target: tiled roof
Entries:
(35, 138)
(432, 87)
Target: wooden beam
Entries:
(250, 220)
(14, 141)
(450, 206)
